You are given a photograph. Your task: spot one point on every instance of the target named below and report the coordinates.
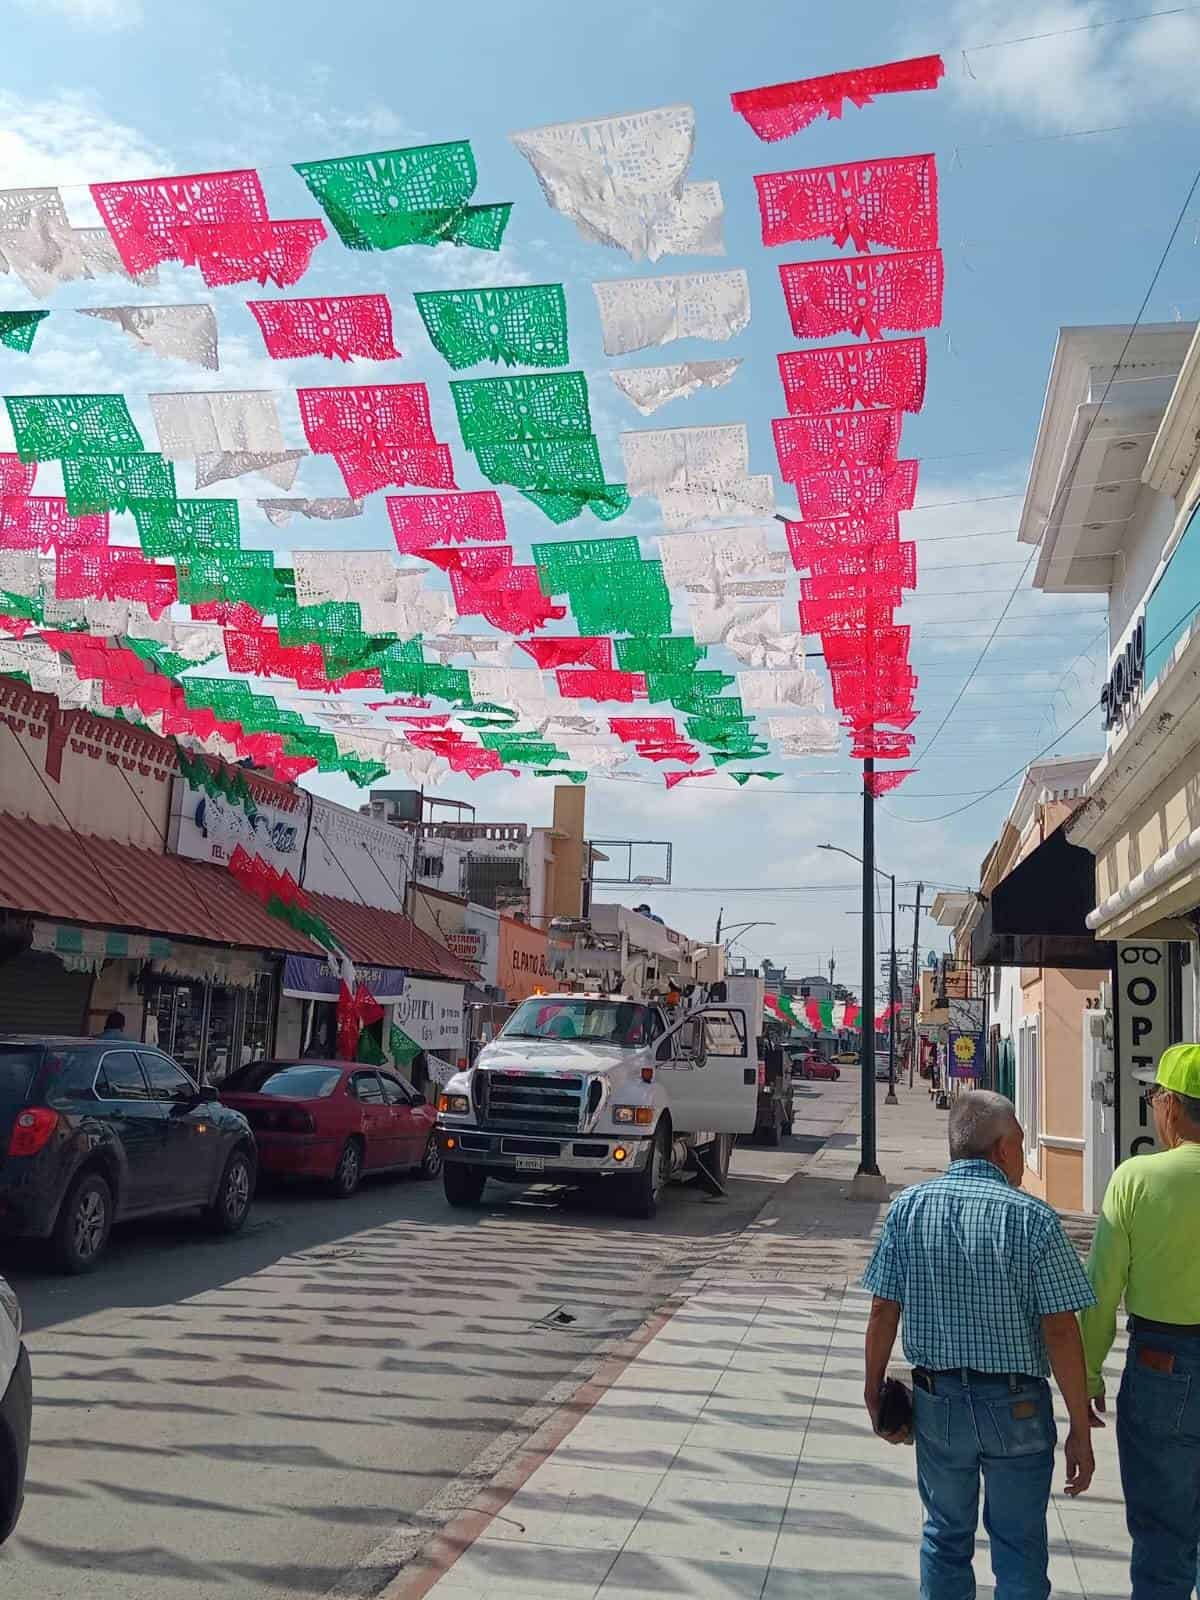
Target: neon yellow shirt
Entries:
(1144, 1249)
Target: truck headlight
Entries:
(456, 1104)
(642, 1115)
(10, 1305)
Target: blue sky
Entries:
(1040, 227)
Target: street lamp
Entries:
(741, 929)
(891, 1099)
(868, 1181)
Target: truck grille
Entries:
(531, 1101)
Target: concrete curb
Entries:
(461, 1532)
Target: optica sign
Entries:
(1142, 1036)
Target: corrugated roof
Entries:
(388, 939)
(83, 878)
(100, 882)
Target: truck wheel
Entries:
(712, 1164)
(463, 1184)
(643, 1188)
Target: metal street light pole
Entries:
(868, 1181)
(891, 1094)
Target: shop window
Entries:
(1029, 1089)
(1172, 605)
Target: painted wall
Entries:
(524, 967)
(106, 777)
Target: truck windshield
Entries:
(619, 1022)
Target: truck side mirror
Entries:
(691, 1040)
(664, 1051)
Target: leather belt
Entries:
(923, 1377)
(1185, 1330)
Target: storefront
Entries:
(524, 967)
(308, 1009)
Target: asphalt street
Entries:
(287, 1413)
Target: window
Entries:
(365, 1086)
(724, 1033)
(166, 1080)
(396, 1093)
(298, 1083)
(1029, 1089)
(120, 1077)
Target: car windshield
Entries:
(302, 1083)
(304, 1080)
(619, 1022)
(18, 1063)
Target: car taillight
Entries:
(294, 1120)
(32, 1130)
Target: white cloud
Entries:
(91, 13)
(66, 139)
(1082, 76)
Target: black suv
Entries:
(94, 1131)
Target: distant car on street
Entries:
(16, 1408)
(812, 1066)
(98, 1130)
(847, 1058)
(335, 1120)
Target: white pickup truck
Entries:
(605, 1091)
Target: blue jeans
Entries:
(1158, 1438)
(1004, 1431)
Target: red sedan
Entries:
(813, 1067)
(335, 1120)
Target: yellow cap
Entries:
(1178, 1069)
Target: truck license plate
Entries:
(531, 1163)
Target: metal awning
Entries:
(1037, 915)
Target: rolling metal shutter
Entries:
(39, 995)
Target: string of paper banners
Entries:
(130, 622)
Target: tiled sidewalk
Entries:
(732, 1456)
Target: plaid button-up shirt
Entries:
(975, 1265)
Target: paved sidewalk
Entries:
(730, 1455)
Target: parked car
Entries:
(815, 1067)
(847, 1058)
(95, 1131)
(335, 1120)
(16, 1408)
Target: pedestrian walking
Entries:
(1145, 1250)
(986, 1285)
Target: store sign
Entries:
(205, 829)
(310, 978)
(1125, 679)
(966, 1055)
(466, 946)
(1141, 1030)
(523, 968)
(431, 1012)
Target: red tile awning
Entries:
(99, 882)
(388, 939)
(50, 872)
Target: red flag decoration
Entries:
(864, 294)
(42, 522)
(585, 652)
(838, 439)
(215, 220)
(782, 109)
(772, 1006)
(888, 372)
(105, 573)
(879, 783)
(885, 1016)
(395, 466)
(858, 491)
(340, 326)
(17, 477)
(640, 730)
(840, 536)
(366, 416)
(892, 203)
(851, 1015)
(590, 684)
(894, 562)
(426, 519)
(812, 1012)
(673, 778)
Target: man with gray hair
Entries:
(988, 1286)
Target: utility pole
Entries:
(868, 1182)
(891, 1094)
(832, 965)
(717, 937)
(916, 983)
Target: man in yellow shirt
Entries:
(1147, 1249)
